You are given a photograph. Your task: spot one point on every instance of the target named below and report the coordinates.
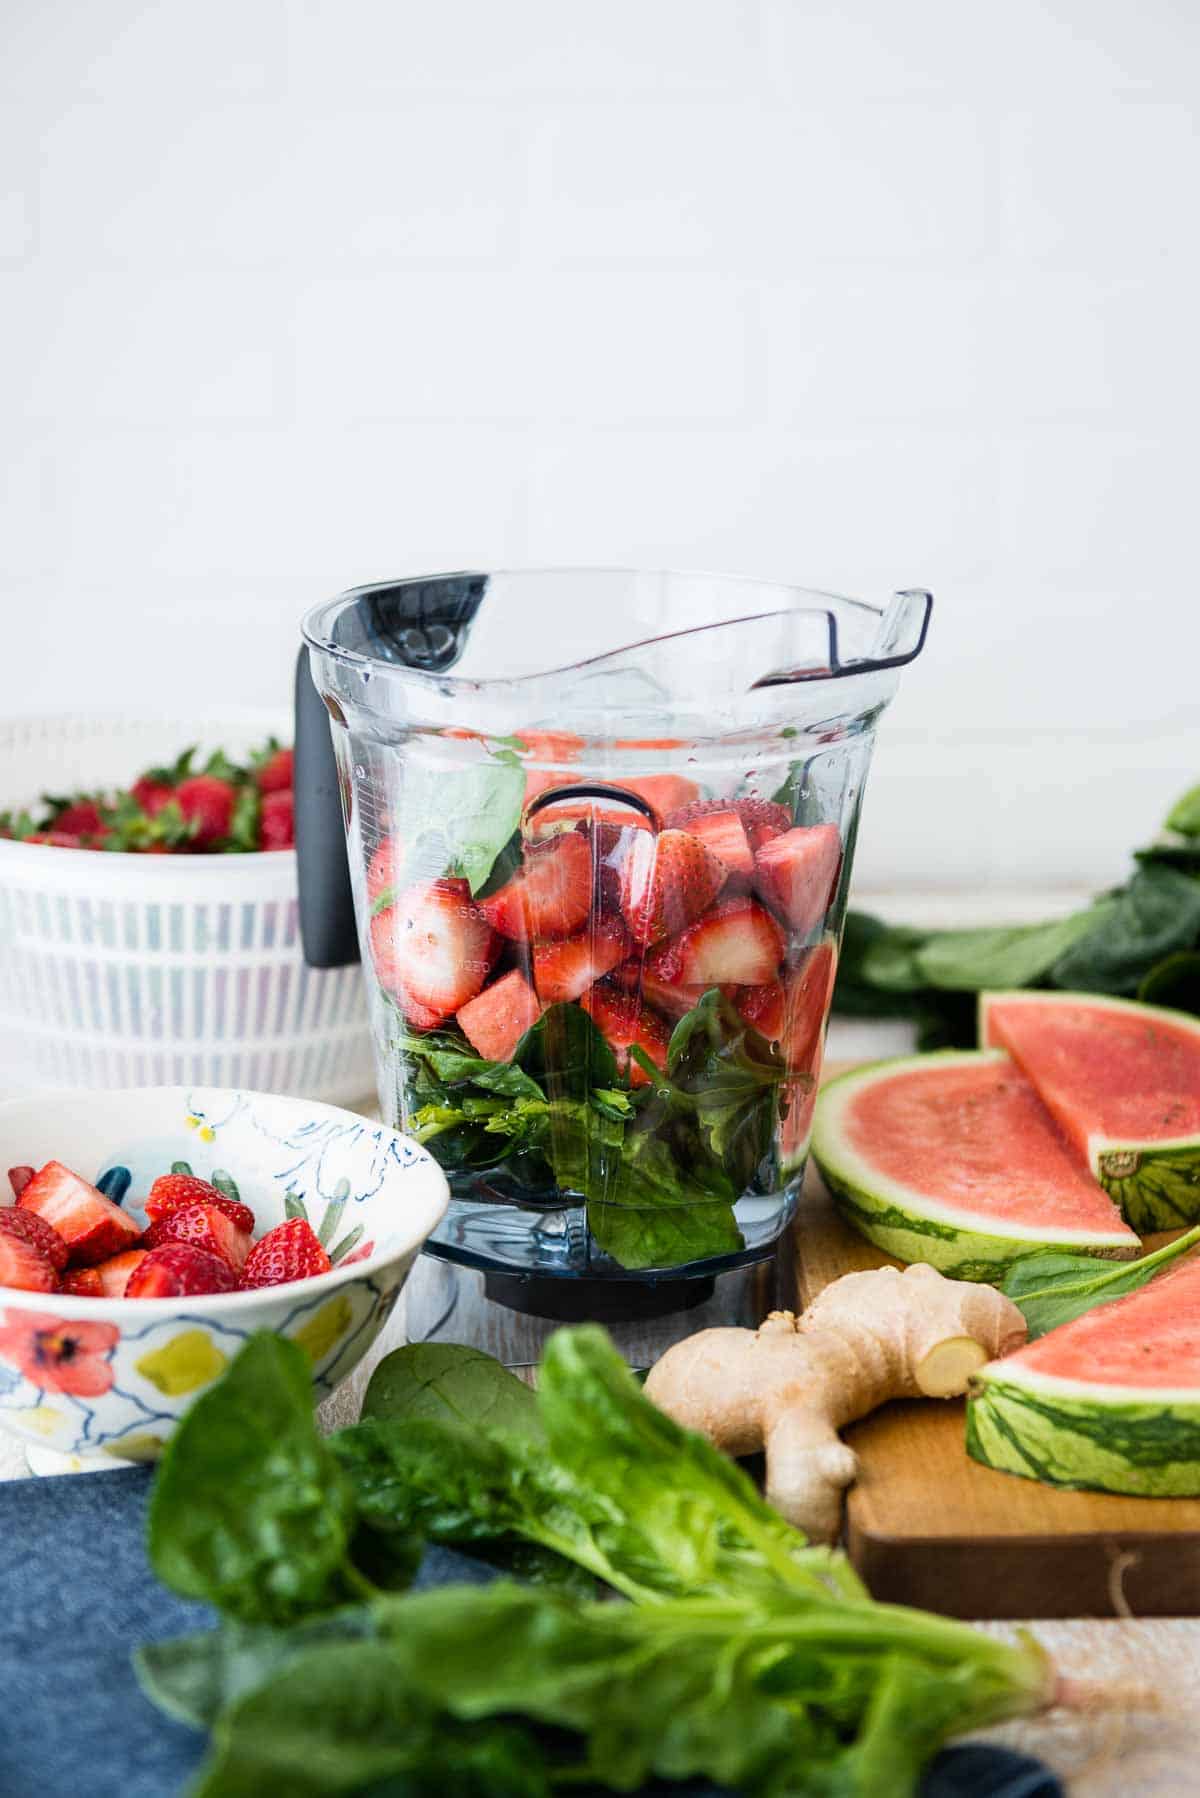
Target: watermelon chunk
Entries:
(497, 1018)
(1122, 1081)
(797, 872)
(952, 1159)
(1109, 1402)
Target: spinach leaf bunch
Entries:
(660, 1166)
(1141, 941)
(745, 1656)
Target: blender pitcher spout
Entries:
(898, 638)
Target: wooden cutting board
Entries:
(927, 1526)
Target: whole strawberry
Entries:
(276, 822)
(289, 1252)
(171, 1192)
(151, 794)
(206, 802)
(274, 775)
(178, 1271)
(81, 819)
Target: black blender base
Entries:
(598, 1301)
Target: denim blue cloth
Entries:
(76, 1597)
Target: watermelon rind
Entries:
(1154, 1185)
(911, 1225)
(1090, 1437)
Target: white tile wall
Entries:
(295, 295)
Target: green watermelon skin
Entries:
(1139, 1449)
(1151, 1172)
(956, 1251)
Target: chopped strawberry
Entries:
(566, 968)
(636, 977)
(797, 873)
(737, 942)
(792, 1012)
(115, 1274)
(179, 1271)
(432, 949)
(550, 895)
(724, 834)
(288, 1252)
(19, 1178)
(24, 1266)
(277, 820)
(760, 834)
(383, 869)
(14, 1221)
(275, 774)
(204, 1227)
(497, 1018)
(624, 1024)
(152, 794)
(666, 882)
(754, 813)
(81, 819)
(206, 802)
(171, 1192)
(91, 1225)
(83, 1283)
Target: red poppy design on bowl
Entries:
(60, 1354)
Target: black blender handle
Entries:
(327, 927)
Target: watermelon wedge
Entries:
(1109, 1402)
(952, 1159)
(1122, 1081)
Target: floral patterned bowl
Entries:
(107, 1379)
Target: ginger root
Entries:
(791, 1385)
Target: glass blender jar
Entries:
(600, 829)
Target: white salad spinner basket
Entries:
(134, 970)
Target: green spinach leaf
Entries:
(461, 818)
(1156, 914)
(1173, 981)
(1184, 815)
(1051, 1288)
(451, 1383)
(250, 1509)
(982, 960)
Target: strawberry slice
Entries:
(495, 1021)
(738, 942)
(34, 1229)
(19, 1178)
(291, 1251)
(792, 1012)
(171, 1192)
(92, 1227)
(797, 873)
(432, 950)
(24, 1266)
(666, 881)
(624, 1023)
(383, 869)
(566, 968)
(550, 896)
(178, 1271)
(85, 1282)
(724, 834)
(204, 1227)
(113, 1276)
(637, 977)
